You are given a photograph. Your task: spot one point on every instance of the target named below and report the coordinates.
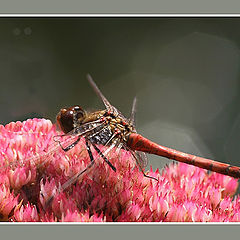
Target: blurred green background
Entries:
(184, 72)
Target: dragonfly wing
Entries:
(107, 104)
(142, 159)
(133, 113)
(99, 93)
(44, 156)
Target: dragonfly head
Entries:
(68, 117)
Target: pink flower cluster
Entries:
(37, 184)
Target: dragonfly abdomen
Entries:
(139, 143)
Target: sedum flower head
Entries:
(36, 184)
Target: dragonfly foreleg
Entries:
(103, 157)
(89, 151)
(70, 146)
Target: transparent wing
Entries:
(142, 159)
(107, 104)
(133, 113)
(57, 144)
(99, 93)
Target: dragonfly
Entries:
(110, 128)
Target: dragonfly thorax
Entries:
(119, 126)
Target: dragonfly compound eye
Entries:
(65, 120)
(67, 116)
(79, 113)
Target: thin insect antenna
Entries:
(133, 112)
(99, 93)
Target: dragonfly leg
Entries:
(144, 174)
(139, 165)
(70, 146)
(103, 157)
(89, 151)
